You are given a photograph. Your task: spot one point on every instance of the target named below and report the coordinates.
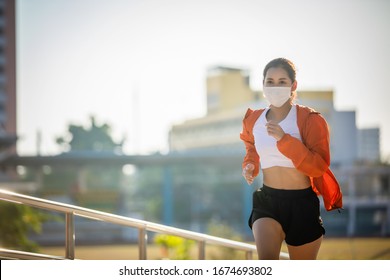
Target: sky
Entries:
(140, 66)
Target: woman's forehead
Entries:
(277, 72)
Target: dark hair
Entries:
(284, 63)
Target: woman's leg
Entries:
(307, 251)
(269, 236)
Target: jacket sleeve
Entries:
(251, 155)
(311, 157)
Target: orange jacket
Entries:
(311, 156)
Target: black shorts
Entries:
(297, 211)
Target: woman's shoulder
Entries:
(306, 110)
(251, 117)
(309, 116)
(306, 113)
(251, 112)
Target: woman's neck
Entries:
(277, 114)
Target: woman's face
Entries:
(277, 77)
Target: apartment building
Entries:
(8, 129)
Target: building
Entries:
(344, 141)
(8, 129)
(368, 139)
(227, 89)
(228, 96)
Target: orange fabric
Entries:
(311, 156)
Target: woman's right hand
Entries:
(247, 172)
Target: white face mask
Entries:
(277, 96)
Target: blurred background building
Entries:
(8, 120)
(8, 127)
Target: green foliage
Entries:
(174, 247)
(167, 241)
(16, 220)
(95, 138)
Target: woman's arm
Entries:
(251, 155)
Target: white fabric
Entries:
(266, 145)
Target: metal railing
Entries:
(143, 227)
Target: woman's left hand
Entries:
(274, 130)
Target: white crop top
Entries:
(266, 145)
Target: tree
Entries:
(16, 221)
(102, 180)
(95, 138)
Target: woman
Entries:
(290, 144)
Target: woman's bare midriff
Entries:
(285, 178)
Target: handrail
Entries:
(143, 226)
(20, 255)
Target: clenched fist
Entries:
(247, 172)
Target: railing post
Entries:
(351, 225)
(167, 196)
(249, 255)
(202, 250)
(69, 236)
(142, 240)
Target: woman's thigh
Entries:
(308, 251)
(269, 235)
